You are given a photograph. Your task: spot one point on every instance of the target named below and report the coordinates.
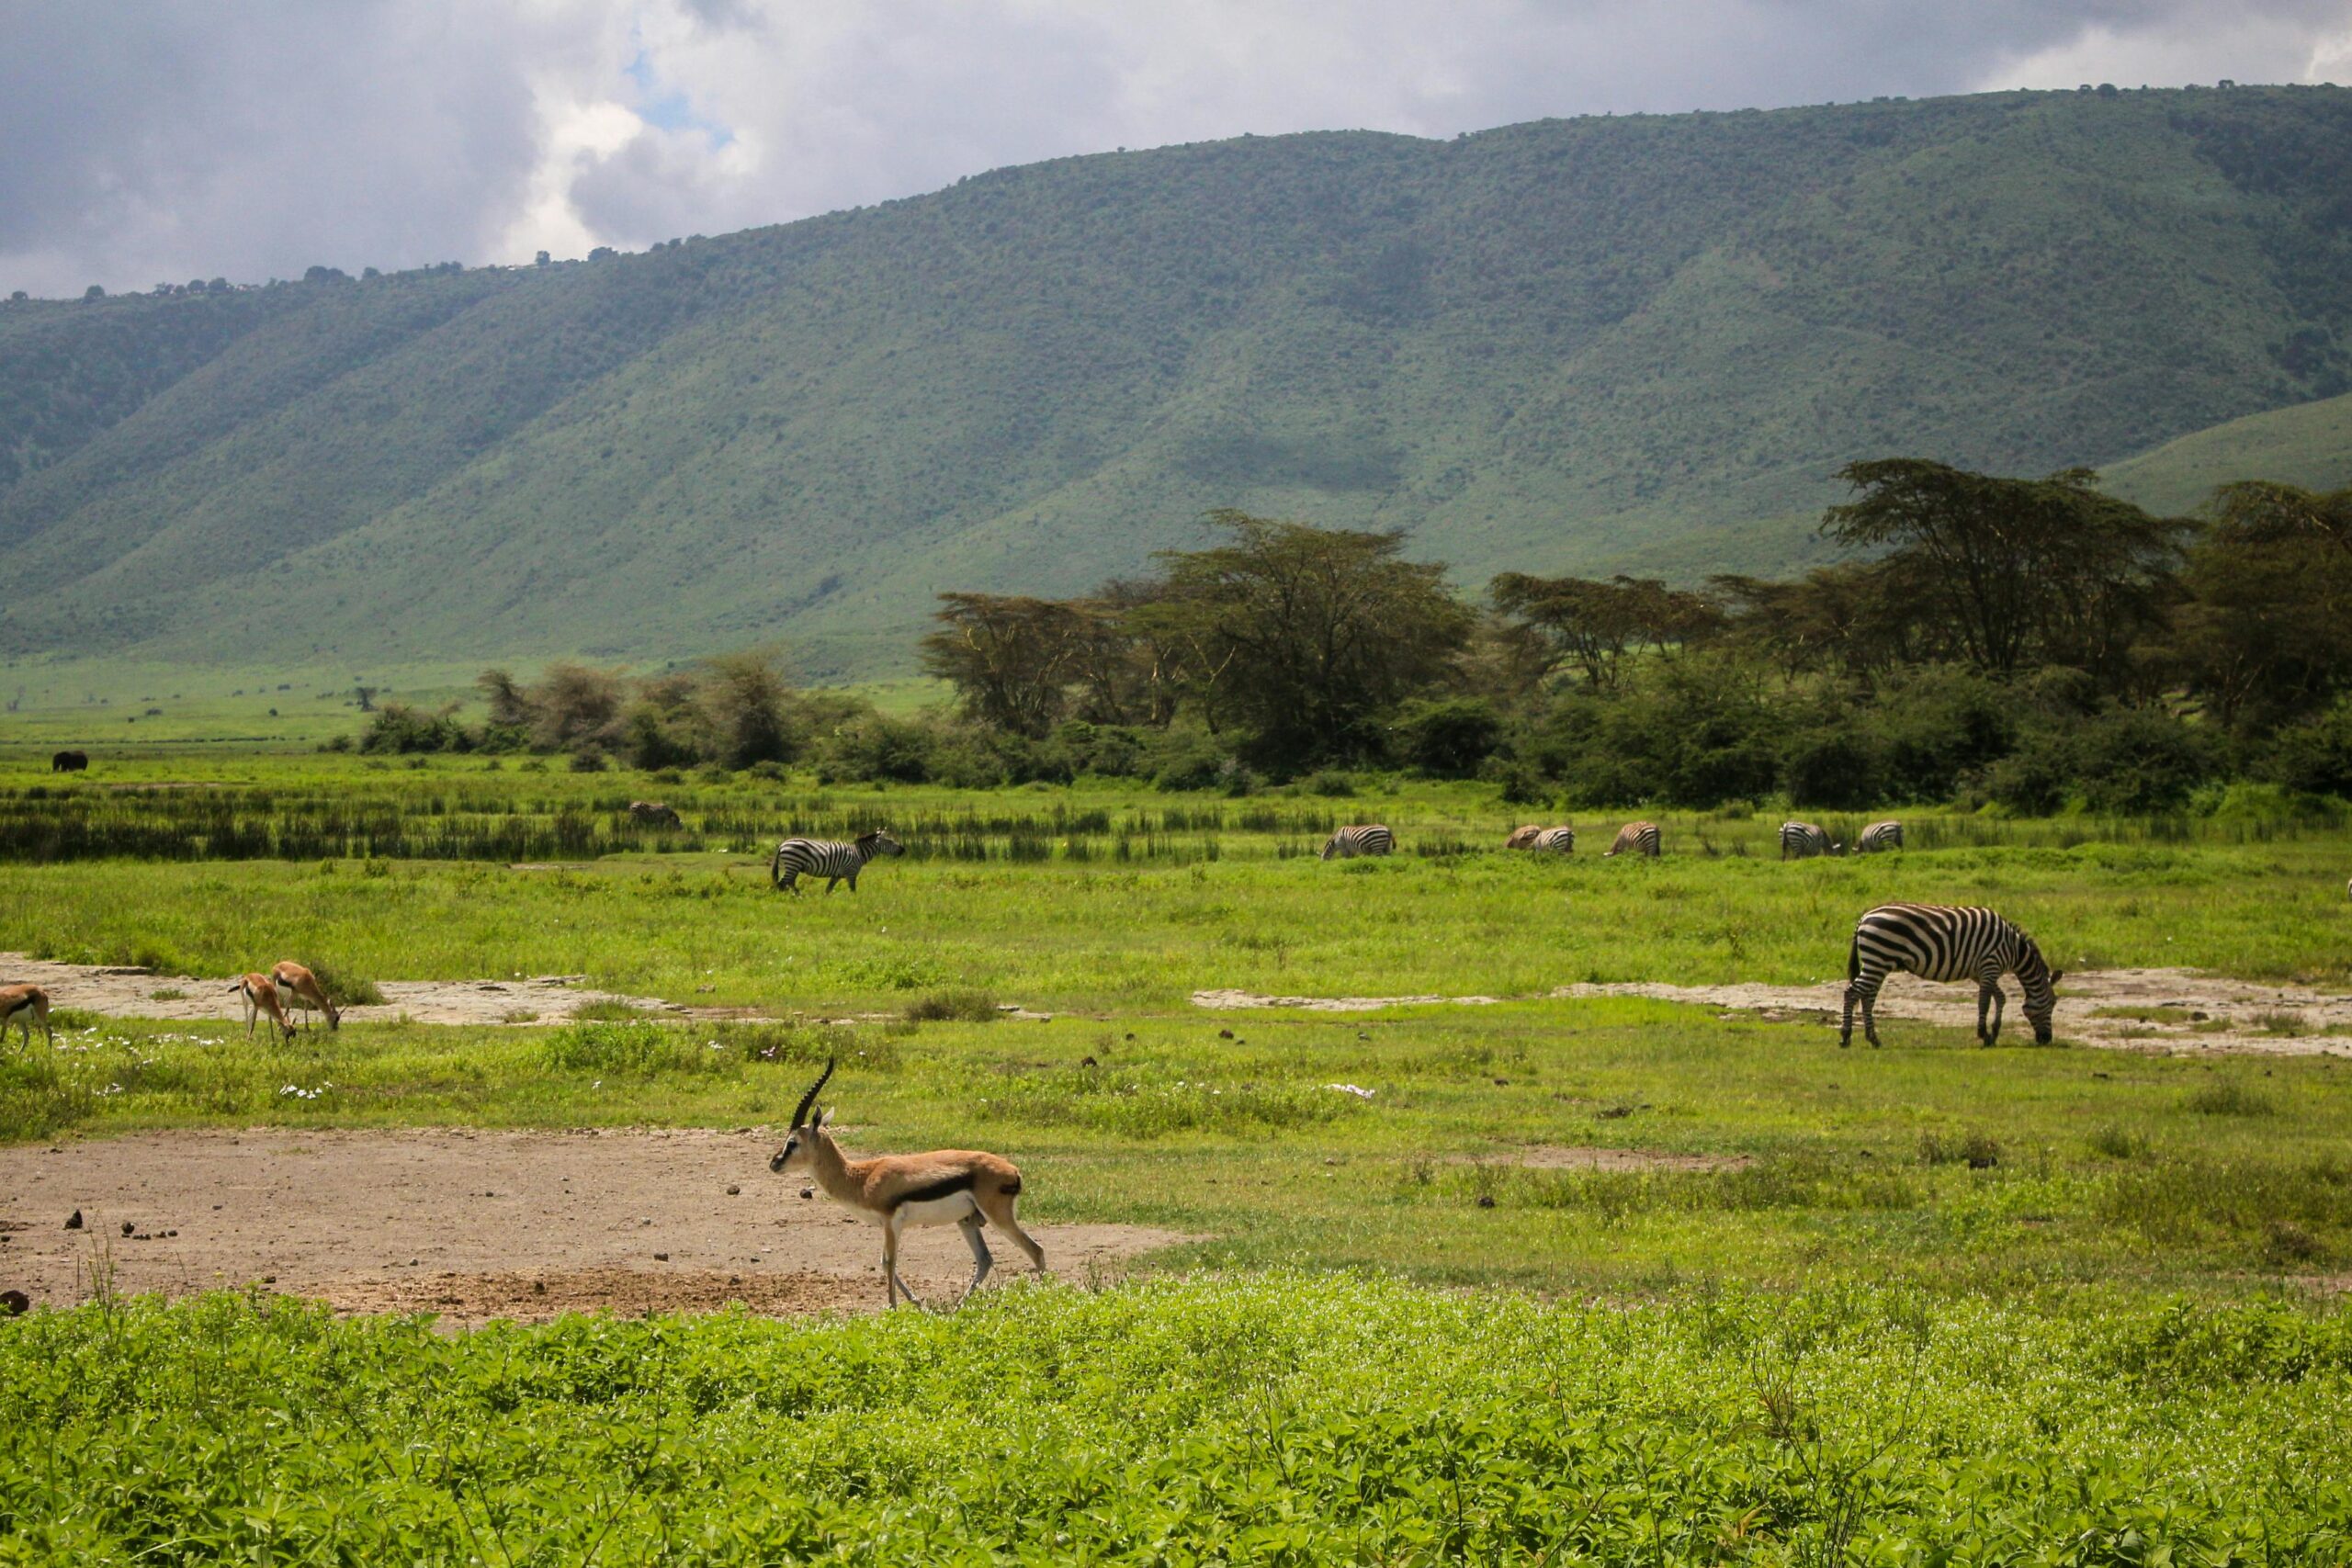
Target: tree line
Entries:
(2033, 642)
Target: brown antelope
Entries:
(1637, 838)
(24, 1005)
(297, 986)
(1522, 838)
(945, 1187)
(260, 994)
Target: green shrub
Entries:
(956, 1007)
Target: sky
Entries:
(252, 139)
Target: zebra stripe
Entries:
(1640, 838)
(1939, 942)
(1364, 838)
(828, 858)
(1559, 840)
(1886, 835)
(1802, 841)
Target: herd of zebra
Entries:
(1798, 840)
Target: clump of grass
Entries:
(2118, 1142)
(1137, 1105)
(2229, 1097)
(639, 1049)
(614, 1011)
(167, 994)
(2285, 1025)
(2285, 1242)
(1977, 1151)
(347, 990)
(952, 1007)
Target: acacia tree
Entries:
(2263, 630)
(1593, 623)
(1011, 660)
(2019, 569)
(1307, 634)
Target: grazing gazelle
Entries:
(299, 988)
(945, 1187)
(260, 994)
(24, 1005)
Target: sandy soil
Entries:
(133, 993)
(477, 1224)
(2220, 1016)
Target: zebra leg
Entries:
(829, 885)
(1870, 1016)
(1846, 1024)
(851, 880)
(2000, 1000)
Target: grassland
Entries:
(1582, 1280)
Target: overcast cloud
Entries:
(254, 138)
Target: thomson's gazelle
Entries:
(260, 994)
(296, 986)
(24, 1005)
(945, 1186)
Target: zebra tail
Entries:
(1854, 957)
(776, 867)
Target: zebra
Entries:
(1559, 840)
(1364, 838)
(1641, 838)
(1886, 835)
(828, 858)
(1937, 941)
(1802, 841)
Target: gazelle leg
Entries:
(1001, 1215)
(982, 1262)
(891, 1229)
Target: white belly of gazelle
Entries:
(952, 1209)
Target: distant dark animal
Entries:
(69, 761)
(654, 814)
(1802, 840)
(24, 1005)
(1363, 839)
(1939, 942)
(1886, 835)
(828, 858)
(1634, 837)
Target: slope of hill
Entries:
(2308, 444)
(1562, 345)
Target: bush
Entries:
(2139, 763)
(1834, 770)
(953, 1007)
(2315, 756)
(1188, 760)
(1448, 738)
(398, 729)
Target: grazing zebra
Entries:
(828, 858)
(1638, 838)
(1364, 838)
(1886, 835)
(1937, 941)
(655, 813)
(1559, 840)
(1802, 840)
(69, 761)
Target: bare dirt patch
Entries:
(475, 1225)
(133, 993)
(2189, 1012)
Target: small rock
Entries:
(734, 1189)
(15, 1303)
(216, 1208)
(645, 1218)
(1485, 1200)
(1362, 1034)
(269, 1279)
(127, 1227)
(1224, 1034)
(412, 1262)
(808, 1192)
(171, 1232)
(1501, 1082)
(73, 1221)
(539, 1287)
(660, 1257)
(1131, 1037)
(1087, 1061)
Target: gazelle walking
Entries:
(24, 1005)
(260, 994)
(945, 1187)
(298, 986)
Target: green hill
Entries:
(1562, 346)
(2308, 444)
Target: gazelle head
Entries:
(879, 842)
(808, 1126)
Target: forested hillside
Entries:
(1561, 346)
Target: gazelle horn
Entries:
(800, 1117)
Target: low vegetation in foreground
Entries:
(1281, 1418)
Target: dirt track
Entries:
(2220, 1016)
(477, 1224)
(133, 993)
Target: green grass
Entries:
(1279, 1420)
